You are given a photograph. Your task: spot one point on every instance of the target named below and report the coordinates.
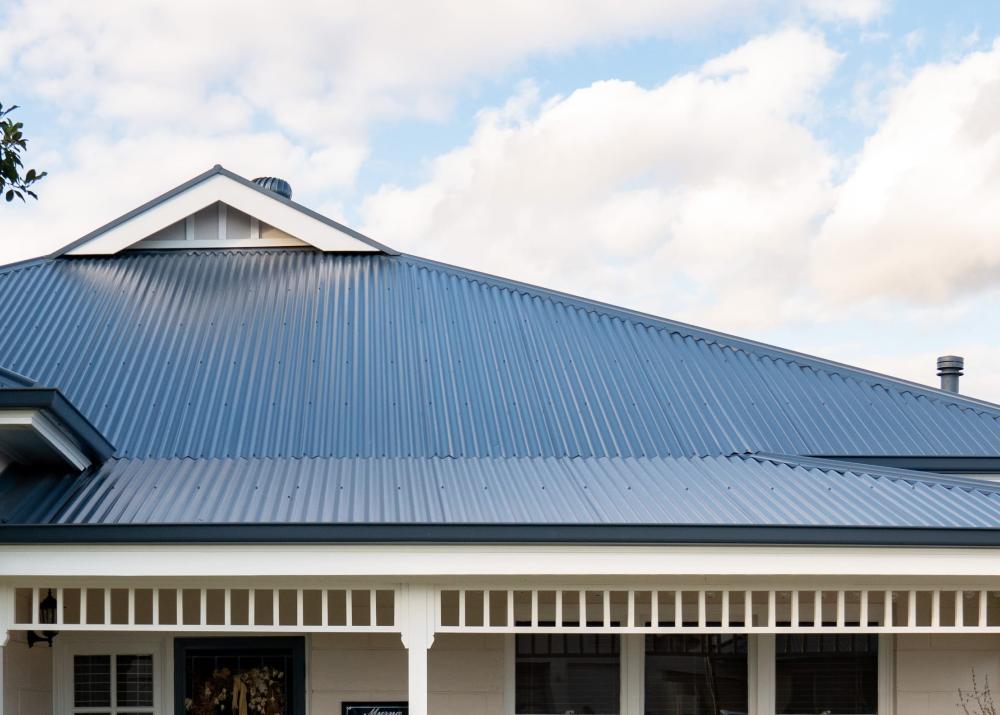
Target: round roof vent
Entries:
(273, 183)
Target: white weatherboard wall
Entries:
(465, 673)
(931, 668)
(27, 677)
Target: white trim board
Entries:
(221, 188)
(795, 564)
(30, 431)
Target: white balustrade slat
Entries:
(615, 617)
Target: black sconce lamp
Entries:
(46, 614)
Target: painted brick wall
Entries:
(465, 672)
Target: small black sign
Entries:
(398, 708)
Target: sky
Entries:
(823, 175)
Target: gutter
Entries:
(23, 534)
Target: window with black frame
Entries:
(558, 674)
(826, 674)
(239, 676)
(696, 675)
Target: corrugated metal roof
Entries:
(11, 379)
(297, 353)
(731, 491)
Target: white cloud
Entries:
(917, 218)
(698, 196)
(166, 89)
(856, 10)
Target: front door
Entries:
(239, 676)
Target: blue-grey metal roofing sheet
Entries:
(11, 379)
(296, 353)
(726, 491)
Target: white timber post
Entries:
(417, 628)
(6, 621)
(763, 703)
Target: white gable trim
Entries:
(221, 188)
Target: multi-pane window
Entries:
(113, 684)
(829, 674)
(571, 673)
(696, 674)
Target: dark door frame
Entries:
(295, 644)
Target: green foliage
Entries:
(14, 181)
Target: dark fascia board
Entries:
(943, 465)
(52, 401)
(219, 170)
(495, 534)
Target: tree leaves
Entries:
(12, 145)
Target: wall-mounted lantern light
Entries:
(46, 614)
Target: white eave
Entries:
(32, 437)
(299, 225)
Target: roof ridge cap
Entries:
(735, 343)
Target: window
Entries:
(696, 675)
(558, 674)
(834, 674)
(113, 683)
